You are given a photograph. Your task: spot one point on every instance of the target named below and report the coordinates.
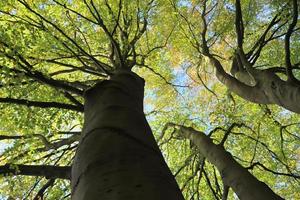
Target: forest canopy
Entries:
(227, 71)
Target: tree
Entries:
(117, 153)
(254, 76)
(60, 58)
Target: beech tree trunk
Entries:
(243, 183)
(118, 157)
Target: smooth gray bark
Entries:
(118, 157)
(244, 184)
(261, 86)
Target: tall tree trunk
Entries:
(244, 184)
(118, 157)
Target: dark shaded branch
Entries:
(37, 75)
(254, 53)
(47, 144)
(66, 141)
(210, 185)
(205, 49)
(264, 145)
(228, 131)
(40, 194)
(29, 21)
(239, 24)
(85, 68)
(288, 35)
(115, 18)
(70, 132)
(193, 175)
(73, 99)
(139, 31)
(11, 137)
(74, 11)
(49, 172)
(37, 181)
(239, 27)
(41, 104)
(53, 83)
(77, 29)
(115, 46)
(64, 71)
(216, 180)
(186, 163)
(272, 171)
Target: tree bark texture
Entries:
(261, 86)
(244, 184)
(118, 157)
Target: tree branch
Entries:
(37, 75)
(47, 144)
(48, 171)
(228, 131)
(115, 46)
(239, 24)
(41, 104)
(64, 34)
(272, 171)
(288, 35)
(40, 194)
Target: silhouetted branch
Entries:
(210, 185)
(239, 24)
(27, 70)
(74, 11)
(50, 172)
(40, 194)
(73, 99)
(228, 131)
(41, 104)
(47, 144)
(272, 171)
(288, 35)
(115, 46)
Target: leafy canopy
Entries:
(53, 50)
